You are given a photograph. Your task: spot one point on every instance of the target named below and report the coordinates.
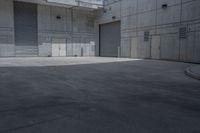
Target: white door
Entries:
(134, 47)
(55, 49)
(58, 47)
(62, 48)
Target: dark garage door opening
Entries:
(109, 39)
(26, 37)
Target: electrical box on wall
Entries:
(146, 36)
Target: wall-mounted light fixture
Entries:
(113, 17)
(104, 10)
(164, 6)
(58, 17)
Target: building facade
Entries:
(37, 28)
(154, 29)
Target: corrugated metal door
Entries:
(25, 17)
(109, 39)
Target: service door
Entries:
(62, 48)
(58, 47)
(155, 47)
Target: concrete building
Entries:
(47, 28)
(156, 29)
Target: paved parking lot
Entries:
(97, 95)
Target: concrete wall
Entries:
(76, 26)
(7, 47)
(80, 29)
(163, 25)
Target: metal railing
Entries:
(90, 3)
(107, 2)
(98, 2)
(82, 3)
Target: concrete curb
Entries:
(193, 72)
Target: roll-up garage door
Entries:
(109, 39)
(26, 38)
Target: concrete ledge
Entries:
(193, 72)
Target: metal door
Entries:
(109, 39)
(155, 47)
(62, 48)
(25, 17)
(58, 47)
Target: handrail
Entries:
(81, 3)
(88, 3)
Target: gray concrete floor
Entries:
(56, 61)
(132, 96)
(193, 72)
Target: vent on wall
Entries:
(146, 36)
(183, 32)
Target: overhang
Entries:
(80, 4)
